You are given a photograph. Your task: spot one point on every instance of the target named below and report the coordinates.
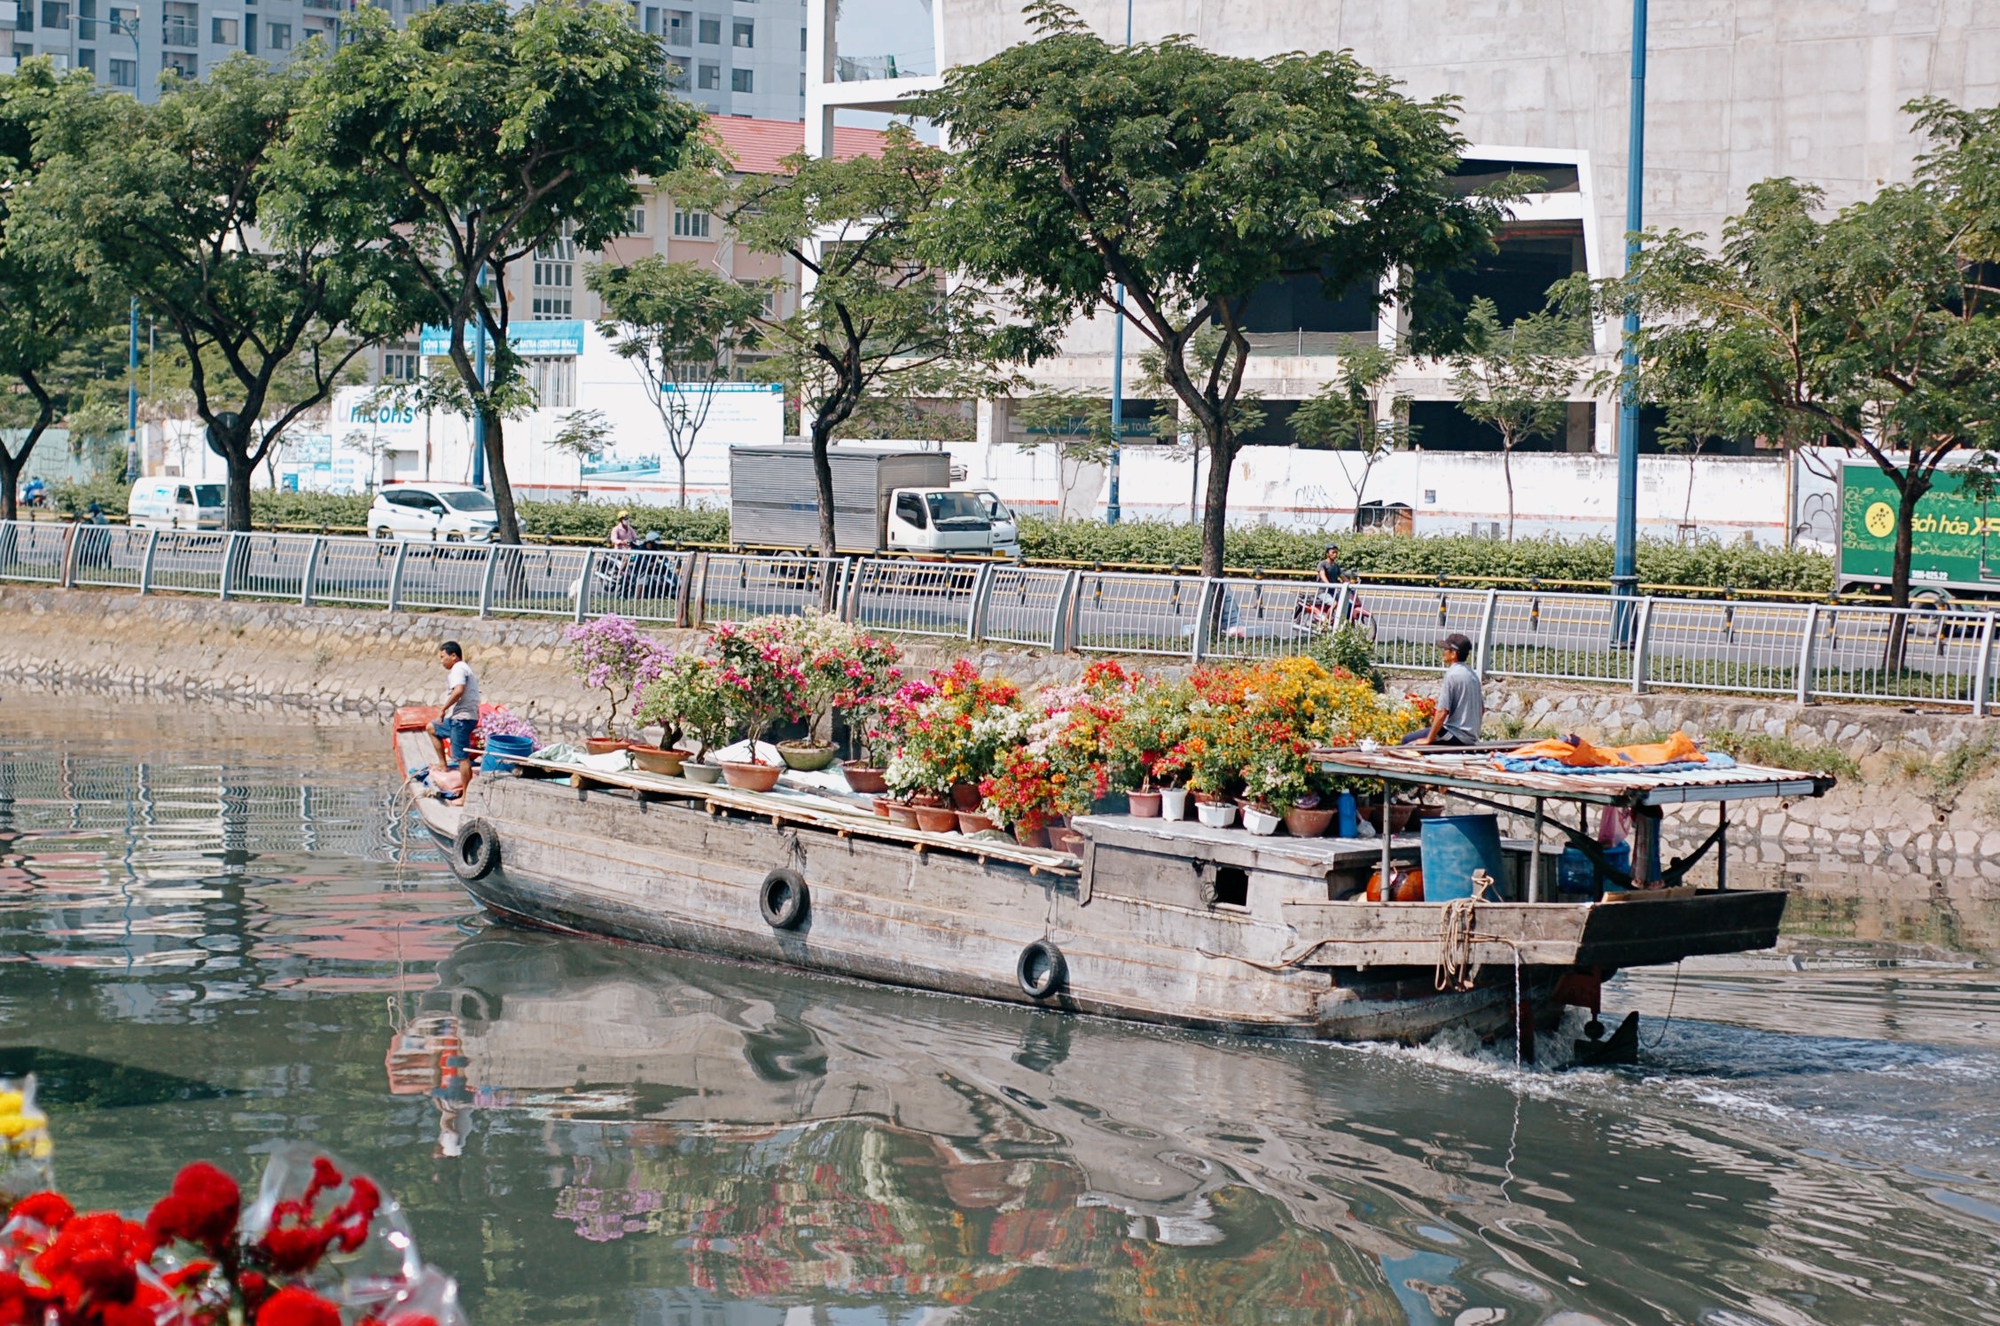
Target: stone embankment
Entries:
(1920, 790)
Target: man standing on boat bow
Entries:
(460, 716)
(1461, 704)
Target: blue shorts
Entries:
(458, 731)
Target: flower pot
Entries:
(881, 807)
(936, 819)
(810, 758)
(933, 799)
(864, 779)
(902, 816)
(1215, 814)
(1304, 823)
(1260, 822)
(654, 760)
(1066, 840)
(1145, 805)
(1399, 816)
(971, 821)
(604, 745)
(1173, 803)
(1038, 836)
(701, 773)
(751, 777)
(965, 796)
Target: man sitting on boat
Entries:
(1461, 704)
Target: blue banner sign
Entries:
(539, 339)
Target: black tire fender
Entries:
(475, 850)
(783, 899)
(1041, 970)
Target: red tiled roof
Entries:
(758, 146)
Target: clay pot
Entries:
(806, 757)
(902, 816)
(1145, 805)
(865, 779)
(937, 819)
(932, 799)
(654, 760)
(882, 808)
(971, 821)
(1038, 836)
(604, 745)
(751, 777)
(1399, 816)
(1066, 840)
(1301, 823)
(965, 796)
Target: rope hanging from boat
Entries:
(1456, 933)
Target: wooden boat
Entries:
(1154, 920)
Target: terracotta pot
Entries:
(604, 745)
(931, 799)
(1208, 798)
(937, 819)
(965, 796)
(882, 808)
(1308, 823)
(1399, 816)
(902, 816)
(1038, 836)
(809, 758)
(1145, 805)
(751, 777)
(864, 779)
(1066, 840)
(971, 821)
(654, 760)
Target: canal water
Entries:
(219, 934)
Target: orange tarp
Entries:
(1677, 749)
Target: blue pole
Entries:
(479, 419)
(1118, 363)
(132, 400)
(1625, 555)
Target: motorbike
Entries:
(640, 573)
(1318, 614)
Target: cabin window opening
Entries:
(1232, 886)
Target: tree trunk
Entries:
(11, 463)
(1507, 470)
(242, 471)
(822, 430)
(683, 462)
(1912, 490)
(10, 474)
(496, 472)
(1215, 509)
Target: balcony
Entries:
(180, 32)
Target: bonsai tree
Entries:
(686, 700)
(609, 655)
(761, 679)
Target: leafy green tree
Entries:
(1192, 179)
(681, 326)
(173, 202)
(460, 144)
(877, 319)
(50, 313)
(1516, 379)
(1877, 327)
(1078, 424)
(1357, 412)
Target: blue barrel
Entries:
(499, 748)
(1454, 847)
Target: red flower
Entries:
(297, 1307)
(46, 1208)
(202, 1208)
(93, 1263)
(21, 1304)
(294, 1243)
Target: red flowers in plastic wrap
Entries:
(202, 1208)
(294, 1243)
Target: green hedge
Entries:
(578, 520)
(1428, 557)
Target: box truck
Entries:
(1955, 537)
(883, 501)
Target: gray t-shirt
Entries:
(1463, 705)
(468, 703)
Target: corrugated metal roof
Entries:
(1632, 787)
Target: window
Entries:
(123, 22)
(690, 225)
(55, 13)
(680, 24)
(278, 36)
(652, 25)
(710, 77)
(711, 32)
(399, 363)
(910, 510)
(554, 293)
(179, 24)
(553, 380)
(677, 75)
(86, 28)
(802, 39)
(224, 31)
(635, 220)
(187, 66)
(743, 33)
(124, 73)
(86, 59)
(741, 80)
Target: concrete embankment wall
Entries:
(1927, 799)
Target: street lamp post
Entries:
(1625, 554)
(1118, 363)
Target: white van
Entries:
(175, 504)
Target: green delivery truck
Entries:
(1955, 538)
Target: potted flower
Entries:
(841, 667)
(686, 701)
(951, 732)
(761, 683)
(1279, 783)
(608, 654)
(504, 734)
(1154, 720)
(1022, 795)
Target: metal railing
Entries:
(1802, 651)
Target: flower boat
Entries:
(1151, 920)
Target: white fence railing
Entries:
(1799, 650)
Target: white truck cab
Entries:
(938, 520)
(884, 498)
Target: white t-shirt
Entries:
(468, 703)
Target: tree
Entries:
(680, 326)
(1350, 413)
(877, 318)
(1516, 380)
(173, 202)
(1192, 179)
(47, 307)
(1878, 326)
(462, 143)
(1079, 424)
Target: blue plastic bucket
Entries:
(1620, 858)
(498, 749)
(1575, 874)
(1454, 847)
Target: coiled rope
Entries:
(1456, 934)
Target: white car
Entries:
(174, 504)
(435, 512)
